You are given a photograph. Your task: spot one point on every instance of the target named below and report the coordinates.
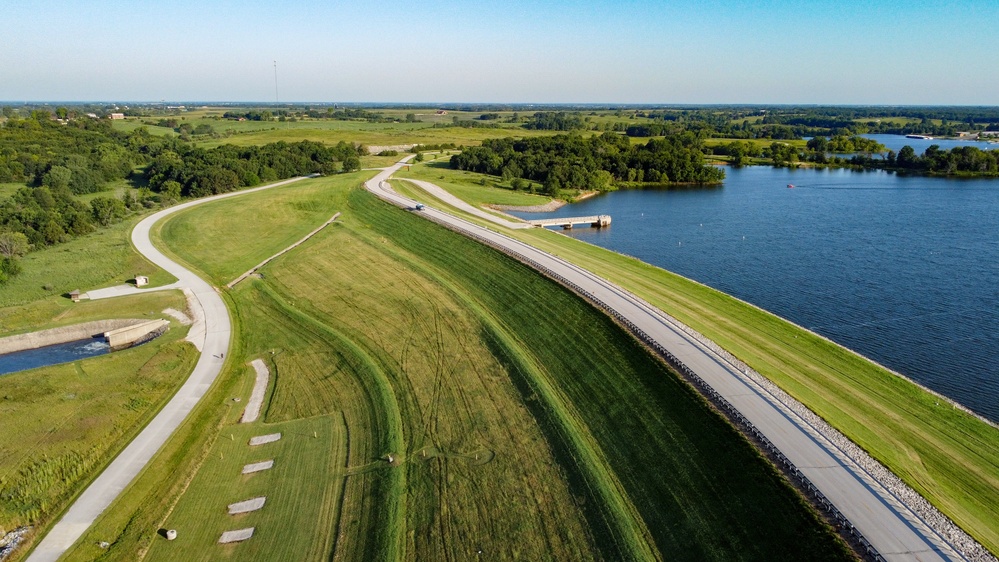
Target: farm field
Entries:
(947, 455)
(63, 423)
(483, 381)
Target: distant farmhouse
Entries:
(117, 116)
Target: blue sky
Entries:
(629, 51)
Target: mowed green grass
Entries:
(228, 237)
(63, 423)
(949, 456)
(475, 464)
(523, 422)
(690, 482)
(468, 186)
(302, 491)
(100, 259)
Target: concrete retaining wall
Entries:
(124, 337)
(64, 334)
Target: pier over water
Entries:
(596, 221)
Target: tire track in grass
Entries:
(390, 542)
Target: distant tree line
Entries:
(969, 161)
(571, 162)
(192, 171)
(958, 161)
(555, 121)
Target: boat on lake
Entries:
(921, 137)
(790, 186)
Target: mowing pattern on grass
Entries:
(947, 455)
(301, 492)
(228, 237)
(719, 499)
(455, 403)
(473, 406)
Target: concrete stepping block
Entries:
(258, 466)
(246, 506)
(236, 536)
(252, 411)
(261, 439)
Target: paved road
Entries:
(895, 531)
(120, 473)
(446, 197)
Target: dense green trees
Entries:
(58, 161)
(202, 172)
(555, 121)
(571, 162)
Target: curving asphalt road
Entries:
(895, 531)
(127, 465)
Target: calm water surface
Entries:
(896, 142)
(52, 355)
(904, 270)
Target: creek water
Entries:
(904, 270)
(52, 355)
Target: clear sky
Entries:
(515, 51)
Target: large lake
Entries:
(904, 270)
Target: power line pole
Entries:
(275, 83)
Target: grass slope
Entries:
(63, 423)
(949, 456)
(523, 423)
(698, 487)
(301, 492)
(228, 237)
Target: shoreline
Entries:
(549, 207)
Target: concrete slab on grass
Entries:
(236, 536)
(261, 439)
(252, 411)
(247, 506)
(258, 466)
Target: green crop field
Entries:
(522, 422)
(949, 456)
(63, 423)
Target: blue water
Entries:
(904, 270)
(52, 355)
(896, 142)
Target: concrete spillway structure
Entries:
(596, 221)
(128, 335)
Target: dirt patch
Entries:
(548, 207)
(396, 147)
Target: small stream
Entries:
(52, 355)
